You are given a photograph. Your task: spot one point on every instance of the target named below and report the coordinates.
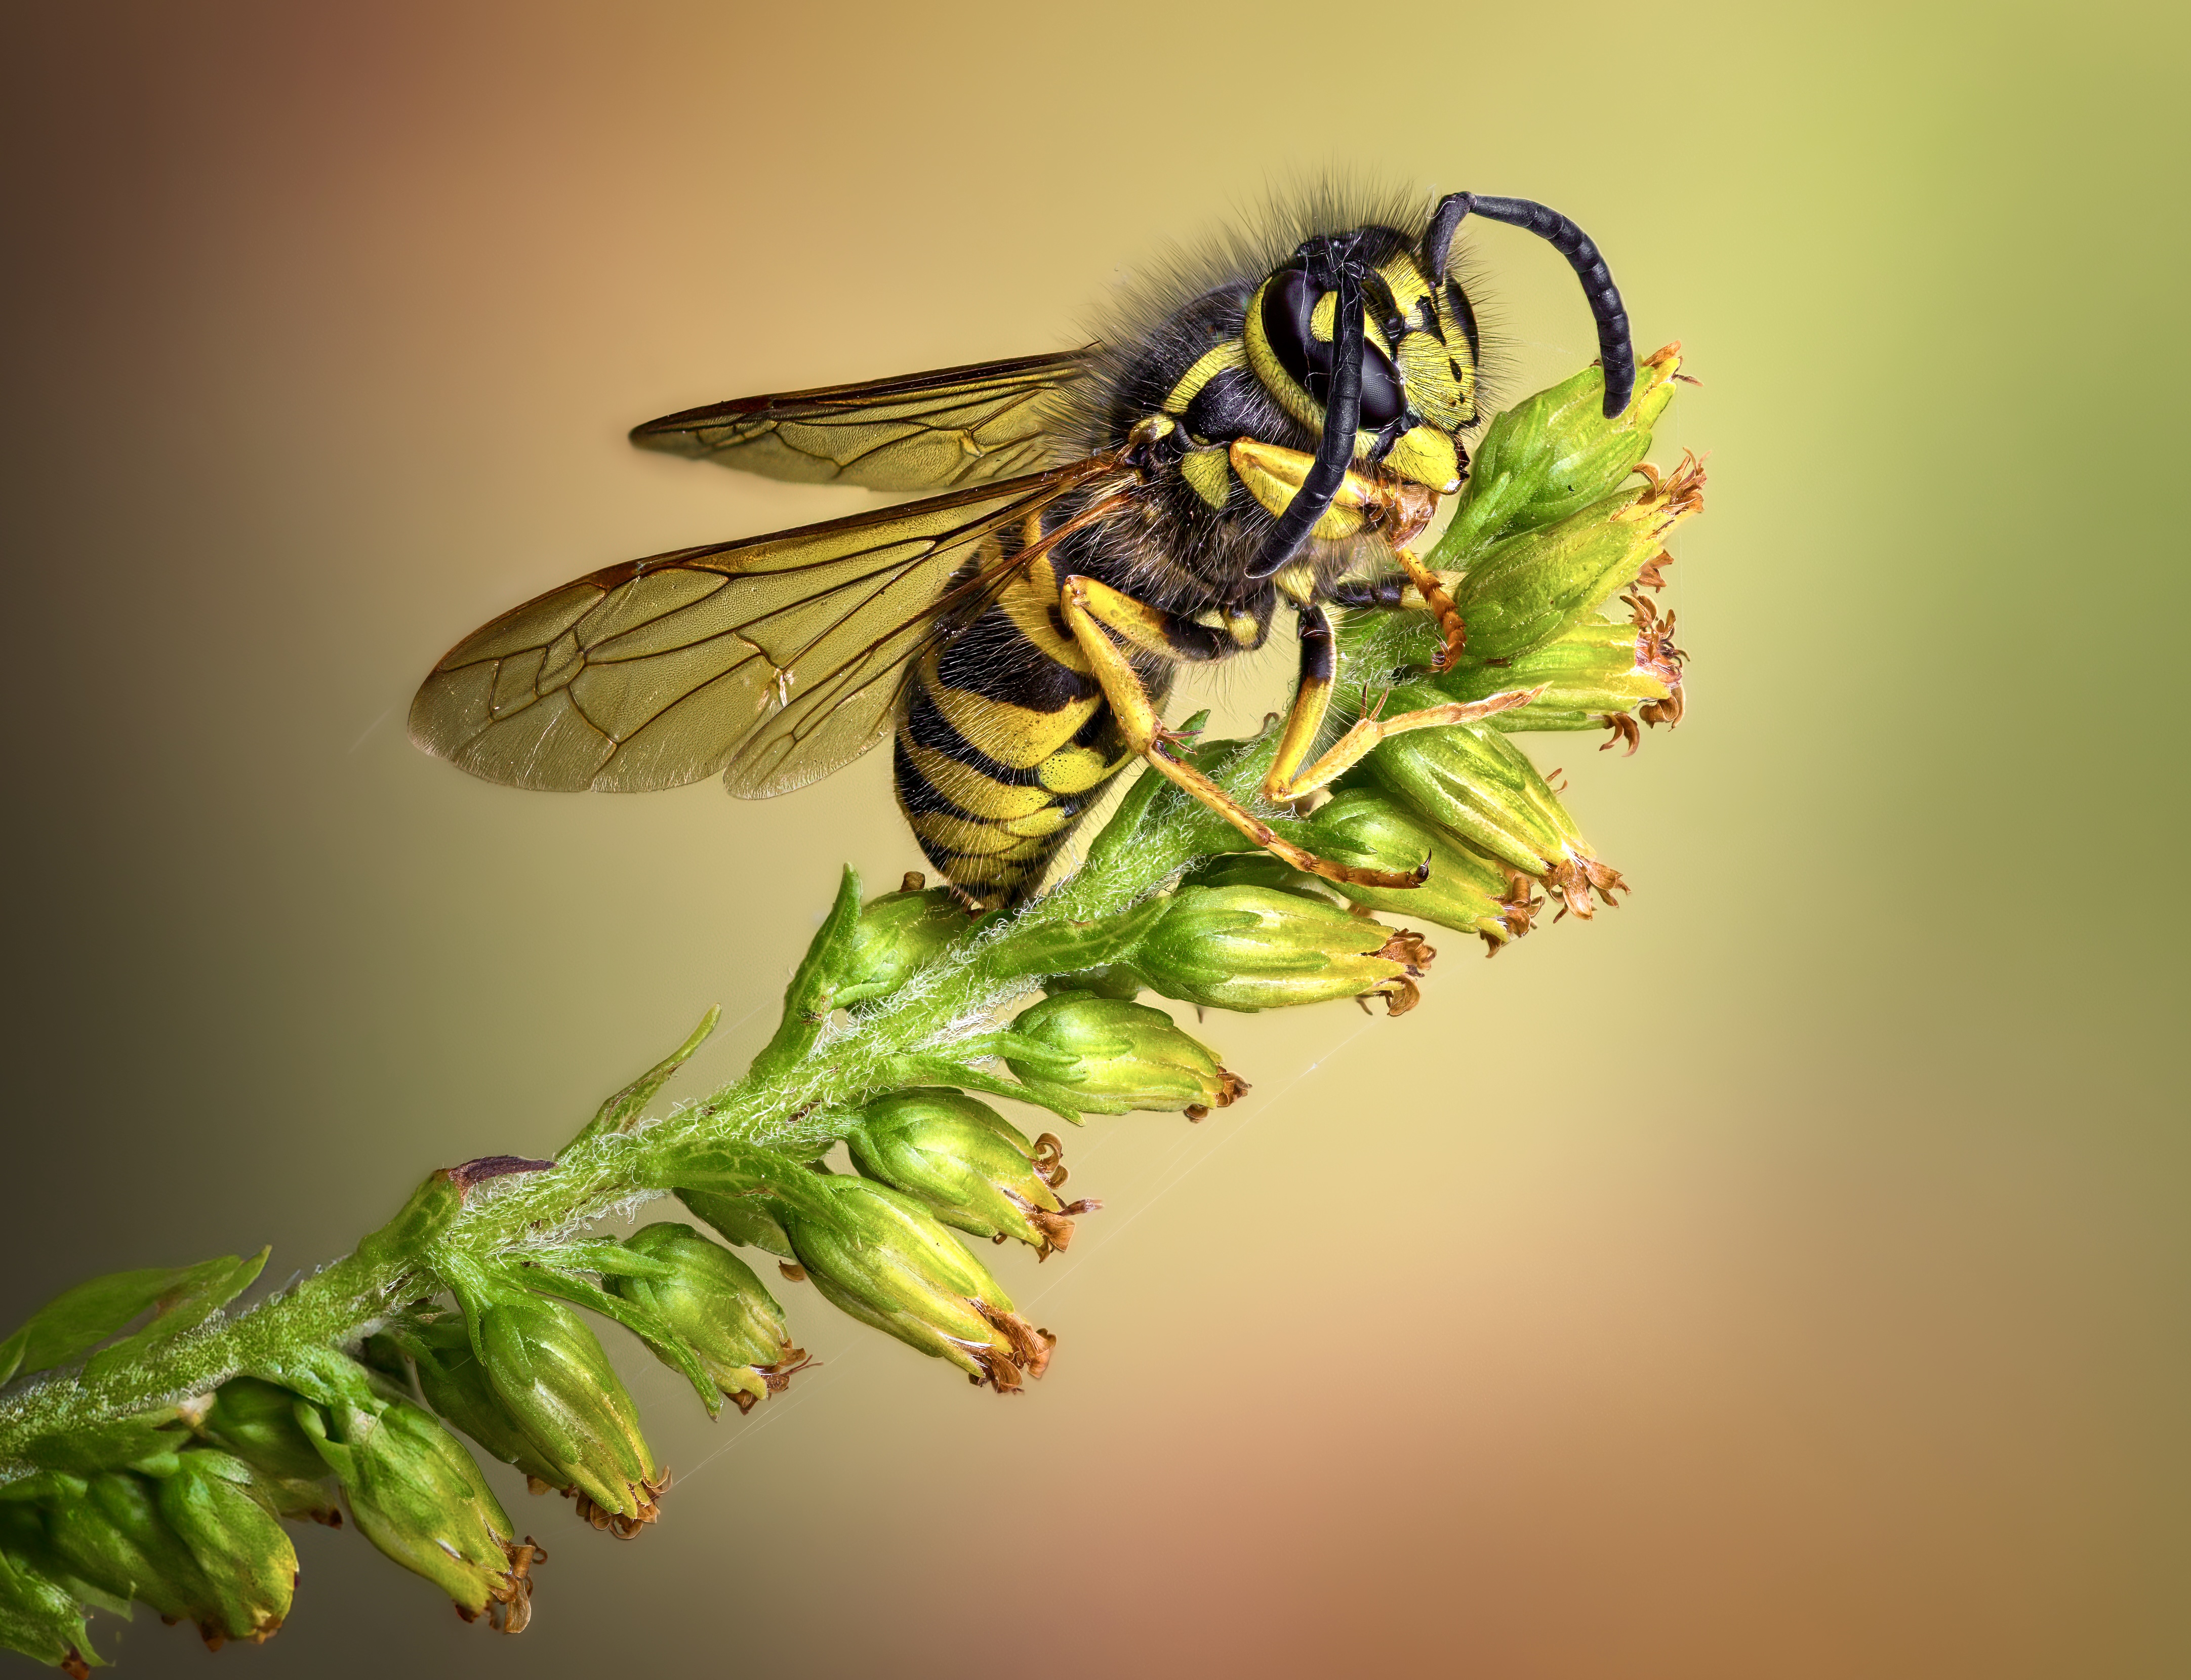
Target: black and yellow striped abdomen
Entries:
(1004, 740)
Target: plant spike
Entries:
(153, 1437)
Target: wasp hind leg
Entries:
(1095, 613)
(1289, 780)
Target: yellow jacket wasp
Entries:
(1272, 437)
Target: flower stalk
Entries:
(155, 1436)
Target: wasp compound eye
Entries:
(1289, 304)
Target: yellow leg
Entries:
(1441, 606)
(1312, 700)
(1093, 611)
(1353, 746)
(1288, 780)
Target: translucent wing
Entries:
(774, 660)
(954, 427)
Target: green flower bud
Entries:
(1524, 591)
(1552, 455)
(712, 1299)
(1253, 947)
(42, 1619)
(1123, 1056)
(456, 1385)
(1471, 780)
(895, 935)
(419, 1496)
(557, 1386)
(107, 1531)
(1467, 890)
(1594, 674)
(881, 1256)
(973, 1166)
(247, 1560)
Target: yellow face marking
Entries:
(1207, 474)
(1426, 369)
(1323, 322)
(1425, 455)
(1409, 285)
(1211, 362)
(1323, 319)
(1273, 474)
(1271, 373)
(1457, 353)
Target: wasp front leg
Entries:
(1432, 589)
(1096, 613)
(1288, 780)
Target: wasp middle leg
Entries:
(1288, 780)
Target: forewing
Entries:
(945, 430)
(775, 660)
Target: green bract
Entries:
(1595, 674)
(454, 1380)
(1475, 785)
(107, 1531)
(257, 1422)
(42, 1619)
(1467, 891)
(895, 935)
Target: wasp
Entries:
(1268, 435)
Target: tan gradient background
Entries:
(1786, 1276)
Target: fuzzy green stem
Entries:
(790, 1100)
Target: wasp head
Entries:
(1418, 350)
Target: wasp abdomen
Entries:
(1003, 741)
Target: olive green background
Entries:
(1785, 1275)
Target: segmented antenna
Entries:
(1614, 351)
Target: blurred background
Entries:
(1787, 1275)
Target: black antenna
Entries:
(1614, 351)
(1342, 418)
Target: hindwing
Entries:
(773, 661)
(944, 430)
